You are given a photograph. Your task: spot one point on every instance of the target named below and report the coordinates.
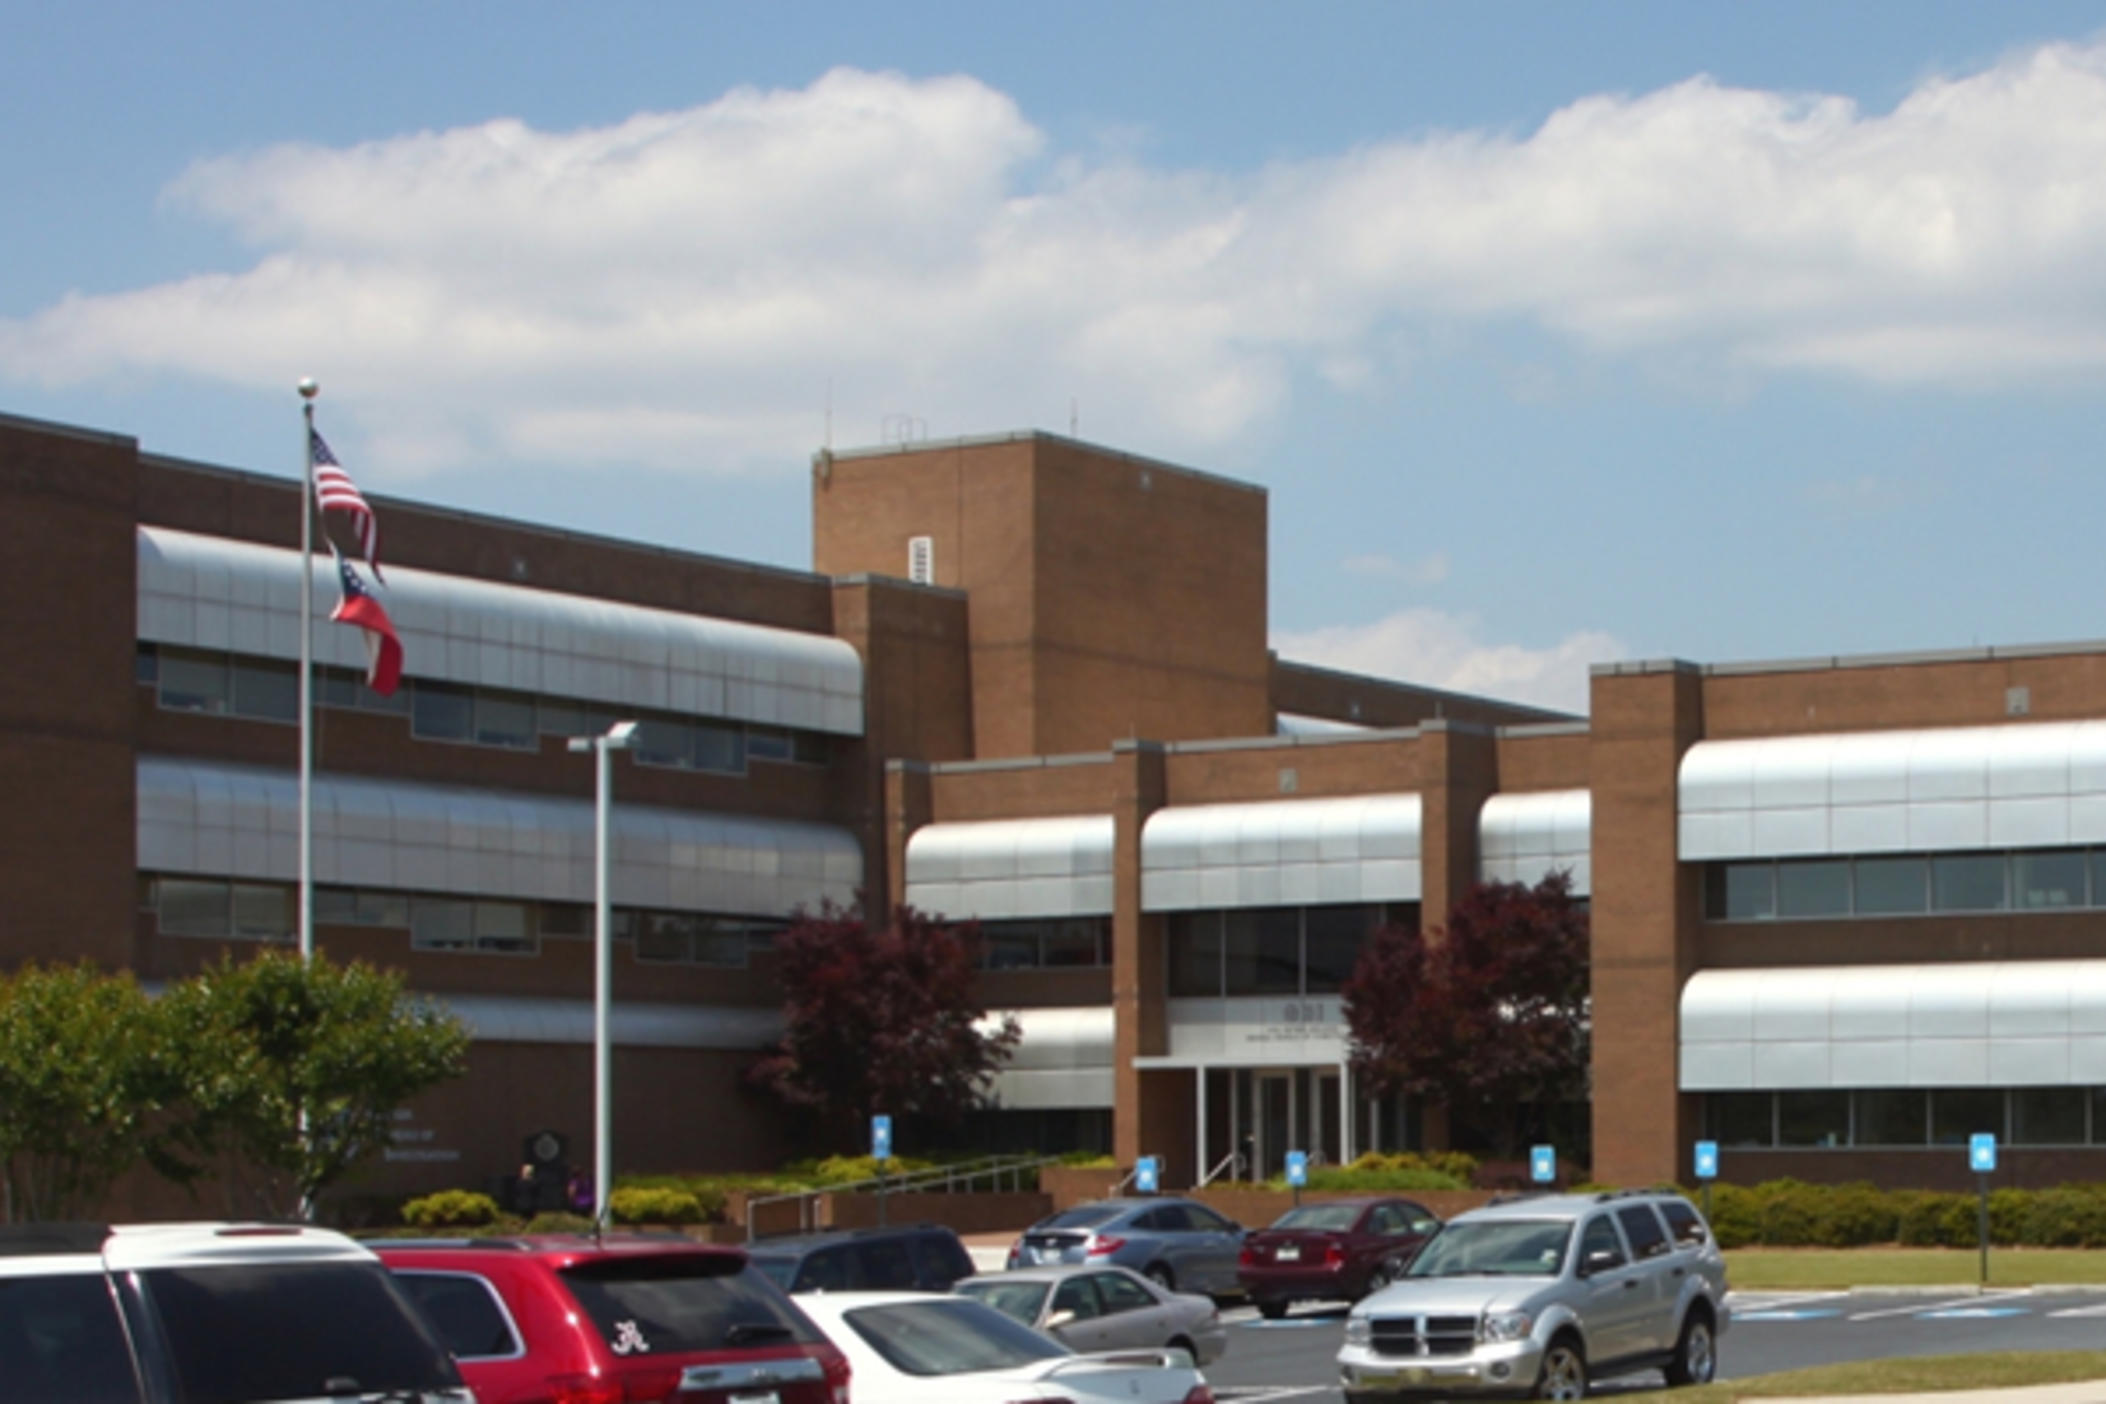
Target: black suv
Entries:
(91, 1314)
(909, 1258)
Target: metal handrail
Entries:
(1232, 1161)
(947, 1177)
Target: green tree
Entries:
(882, 1019)
(294, 1069)
(87, 1083)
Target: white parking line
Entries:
(1777, 1301)
(2080, 1311)
(1919, 1308)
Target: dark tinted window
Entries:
(1079, 1296)
(1171, 1218)
(1642, 1226)
(61, 1342)
(941, 1260)
(683, 1302)
(1682, 1221)
(292, 1331)
(464, 1310)
(883, 1266)
(1206, 1220)
(776, 1268)
(1600, 1237)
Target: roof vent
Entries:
(921, 560)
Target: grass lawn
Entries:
(1753, 1269)
(1913, 1375)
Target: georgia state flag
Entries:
(358, 606)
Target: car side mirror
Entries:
(1059, 1319)
(1601, 1260)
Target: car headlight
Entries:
(1505, 1325)
(1356, 1331)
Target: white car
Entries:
(919, 1348)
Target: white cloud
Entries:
(682, 288)
(1435, 649)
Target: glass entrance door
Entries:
(1274, 1119)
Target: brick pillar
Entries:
(908, 806)
(1458, 771)
(1145, 1110)
(1646, 909)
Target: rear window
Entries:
(1642, 1227)
(1081, 1216)
(292, 1331)
(1683, 1220)
(464, 1309)
(1333, 1218)
(949, 1336)
(657, 1305)
(61, 1342)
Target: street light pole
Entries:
(618, 737)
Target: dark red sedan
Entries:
(1339, 1250)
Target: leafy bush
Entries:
(1934, 1220)
(1853, 1215)
(2071, 1216)
(450, 1209)
(708, 1191)
(1346, 1178)
(556, 1221)
(1087, 1160)
(633, 1205)
(1736, 1218)
(850, 1169)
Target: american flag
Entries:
(335, 492)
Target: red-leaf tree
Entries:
(1491, 1010)
(882, 1019)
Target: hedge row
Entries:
(1397, 1170)
(1794, 1214)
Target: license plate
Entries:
(1289, 1253)
(765, 1397)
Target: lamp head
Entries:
(622, 734)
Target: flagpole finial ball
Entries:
(308, 389)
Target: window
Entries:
(769, 743)
(1264, 950)
(1600, 1237)
(1958, 1112)
(465, 1310)
(146, 665)
(1892, 886)
(263, 913)
(572, 919)
(1969, 882)
(1642, 1227)
(1122, 1294)
(505, 719)
(1814, 888)
(1813, 1118)
(1332, 945)
(451, 924)
(267, 691)
(2052, 879)
(1893, 1116)
(2047, 1116)
(1195, 954)
(223, 911)
(1739, 1118)
(195, 682)
(1076, 942)
(720, 748)
(346, 906)
(1682, 1221)
(883, 1266)
(1743, 891)
(1004, 947)
(442, 712)
(65, 1342)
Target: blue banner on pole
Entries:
(881, 1137)
(1297, 1168)
(1707, 1160)
(1542, 1164)
(1981, 1152)
(1146, 1174)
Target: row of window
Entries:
(1906, 1116)
(187, 680)
(255, 911)
(1273, 950)
(2042, 879)
(1045, 944)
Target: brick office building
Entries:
(1843, 911)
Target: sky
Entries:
(1559, 334)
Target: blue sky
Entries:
(1559, 333)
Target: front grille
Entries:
(1423, 1335)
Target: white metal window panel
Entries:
(209, 592)
(1063, 1060)
(2031, 1023)
(1049, 867)
(217, 820)
(1526, 837)
(2027, 785)
(636, 1024)
(1281, 853)
(1296, 724)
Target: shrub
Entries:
(631, 1205)
(851, 1169)
(709, 1192)
(1853, 1215)
(450, 1209)
(1735, 1219)
(1933, 1220)
(555, 1221)
(2071, 1216)
(1335, 1178)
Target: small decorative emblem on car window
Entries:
(628, 1339)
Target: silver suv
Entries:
(1538, 1295)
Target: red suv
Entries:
(619, 1320)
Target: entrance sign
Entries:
(1981, 1152)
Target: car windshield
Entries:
(949, 1336)
(293, 1331)
(1020, 1300)
(1496, 1248)
(683, 1302)
(1081, 1216)
(1329, 1218)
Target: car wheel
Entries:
(1564, 1373)
(1696, 1353)
(1161, 1276)
(1185, 1345)
(1272, 1311)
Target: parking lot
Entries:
(1291, 1359)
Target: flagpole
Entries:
(308, 390)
